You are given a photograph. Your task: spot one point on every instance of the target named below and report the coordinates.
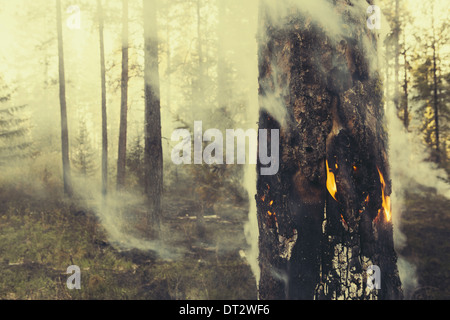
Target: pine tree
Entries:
(135, 161)
(397, 49)
(62, 98)
(122, 150)
(431, 92)
(14, 126)
(84, 155)
(103, 95)
(153, 159)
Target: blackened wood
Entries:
(313, 245)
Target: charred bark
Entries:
(321, 217)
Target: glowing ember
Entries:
(271, 202)
(343, 220)
(263, 197)
(366, 201)
(270, 213)
(386, 203)
(331, 182)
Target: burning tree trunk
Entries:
(324, 218)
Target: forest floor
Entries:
(426, 225)
(40, 239)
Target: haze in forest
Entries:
(208, 71)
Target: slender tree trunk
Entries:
(405, 85)
(168, 73)
(396, 55)
(435, 93)
(387, 82)
(201, 66)
(169, 66)
(121, 159)
(221, 60)
(200, 99)
(103, 107)
(62, 98)
(324, 218)
(153, 148)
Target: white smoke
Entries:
(408, 167)
(116, 212)
(248, 65)
(408, 159)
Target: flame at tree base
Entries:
(331, 182)
(386, 200)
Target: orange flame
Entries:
(343, 221)
(366, 201)
(331, 182)
(386, 203)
